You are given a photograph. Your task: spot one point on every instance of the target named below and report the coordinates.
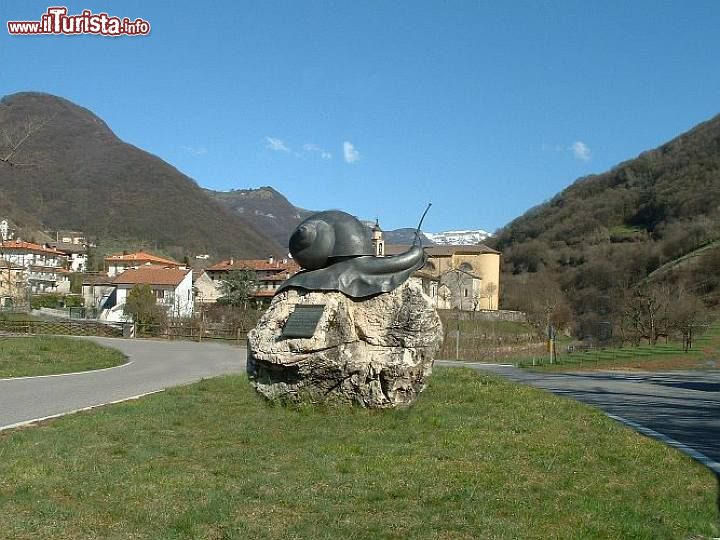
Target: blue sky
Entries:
(375, 107)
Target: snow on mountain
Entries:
(458, 238)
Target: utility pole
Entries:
(551, 343)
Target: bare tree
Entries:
(543, 302)
(489, 292)
(238, 288)
(12, 142)
(646, 313)
(688, 312)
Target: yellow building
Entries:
(13, 284)
(459, 277)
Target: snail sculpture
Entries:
(336, 252)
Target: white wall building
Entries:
(42, 263)
(77, 257)
(172, 288)
(6, 232)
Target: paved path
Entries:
(684, 406)
(155, 365)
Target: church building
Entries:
(455, 277)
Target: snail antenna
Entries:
(417, 231)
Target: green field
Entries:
(663, 356)
(476, 457)
(47, 355)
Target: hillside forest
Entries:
(630, 255)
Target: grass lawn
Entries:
(46, 355)
(705, 354)
(476, 457)
(646, 362)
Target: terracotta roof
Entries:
(151, 275)
(443, 251)
(141, 257)
(27, 246)
(68, 248)
(255, 264)
(96, 279)
(263, 293)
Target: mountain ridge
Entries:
(72, 171)
(592, 246)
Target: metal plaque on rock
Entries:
(303, 321)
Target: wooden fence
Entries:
(457, 345)
(192, 330)
(65, 328)
(484, 348)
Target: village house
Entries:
(63, 283)
(96, 289)
(171, 286)
(76, 254)
(13, 285)
(204, 289)
(42, 263)
(7, 231)
(270, 273)
(117, 264)
(76, 238)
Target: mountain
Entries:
(277, 217)
(61, 167)
(670, 194)
(458, 238)
(405, 237)
(266, 208)
(601, 237)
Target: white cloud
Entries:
(195, 150)
(324, 154)
(581, 150)
(276, 144)
(351, 155)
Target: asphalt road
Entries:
(684, 406)
(155, 365)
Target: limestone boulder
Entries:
(375, 352)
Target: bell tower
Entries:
(378, 241)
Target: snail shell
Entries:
(328, 236)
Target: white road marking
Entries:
(66, 374)
(697, 456)
(91, 407)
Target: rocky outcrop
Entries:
(375, 352)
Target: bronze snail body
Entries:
(336, 252)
